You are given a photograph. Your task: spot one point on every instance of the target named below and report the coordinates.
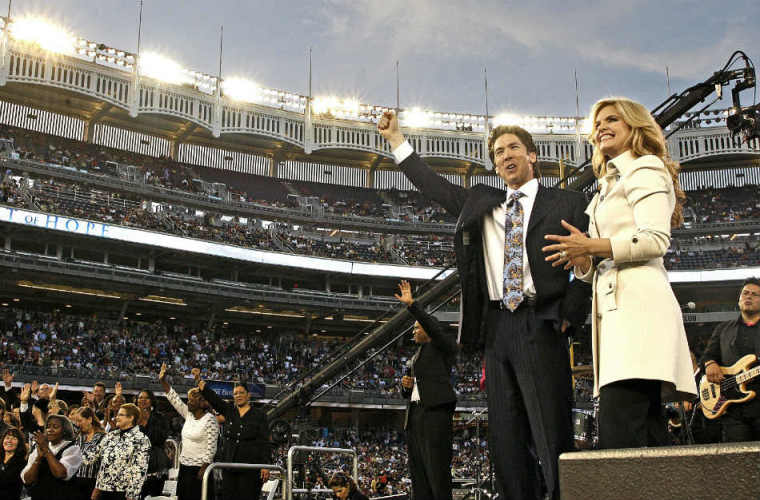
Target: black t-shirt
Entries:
(745, 338)
(745, 344)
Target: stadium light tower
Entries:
(486, 127)
(134, 104)
(308, 138)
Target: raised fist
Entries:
(388, 127)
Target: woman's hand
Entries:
(42, 443)
(571, 250)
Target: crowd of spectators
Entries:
(383, 468)
(434, 251)
(707, 205)
(730, 204)
(167, 173)
(746, 255)
(95, 347)
(381, 451)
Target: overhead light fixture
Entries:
(248, 310)
(68, 289)
(163, 300)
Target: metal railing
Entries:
(228, 465)
(177, 452)
(288, 492)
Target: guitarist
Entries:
(730, 341)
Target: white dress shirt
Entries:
(494, 234)
(415, 392)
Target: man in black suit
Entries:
(520, 316)
(430, 409)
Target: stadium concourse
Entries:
(259, 238)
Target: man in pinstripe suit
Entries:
(514, 303)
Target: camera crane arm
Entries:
(677, 105)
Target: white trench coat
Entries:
(638, 327)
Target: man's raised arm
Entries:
(432, 185)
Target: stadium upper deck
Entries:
(89, 91)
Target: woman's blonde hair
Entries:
(646, 139)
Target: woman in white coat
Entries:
(641, 355)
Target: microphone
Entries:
(407, 368)
(689, 306)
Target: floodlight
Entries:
(162, 68)
(508, 119)
(585, 126)
(240, 89)
(46, 35)
(416, 118)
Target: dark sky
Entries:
(529, 48)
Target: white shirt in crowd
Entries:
(199, 436)
(71, 458)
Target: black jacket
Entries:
(10, 477)
(157, 430)
(433, 363)
(721, 347)
(246, 438)
(10, 397)
(556, 296)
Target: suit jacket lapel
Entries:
(415, 358)
(541, 207)
(479, 203)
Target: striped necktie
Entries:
(513, 253)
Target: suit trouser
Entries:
(529, 401)
(631, 415)
(429, 443)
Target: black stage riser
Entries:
(709, 472)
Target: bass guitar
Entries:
(715, 398)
